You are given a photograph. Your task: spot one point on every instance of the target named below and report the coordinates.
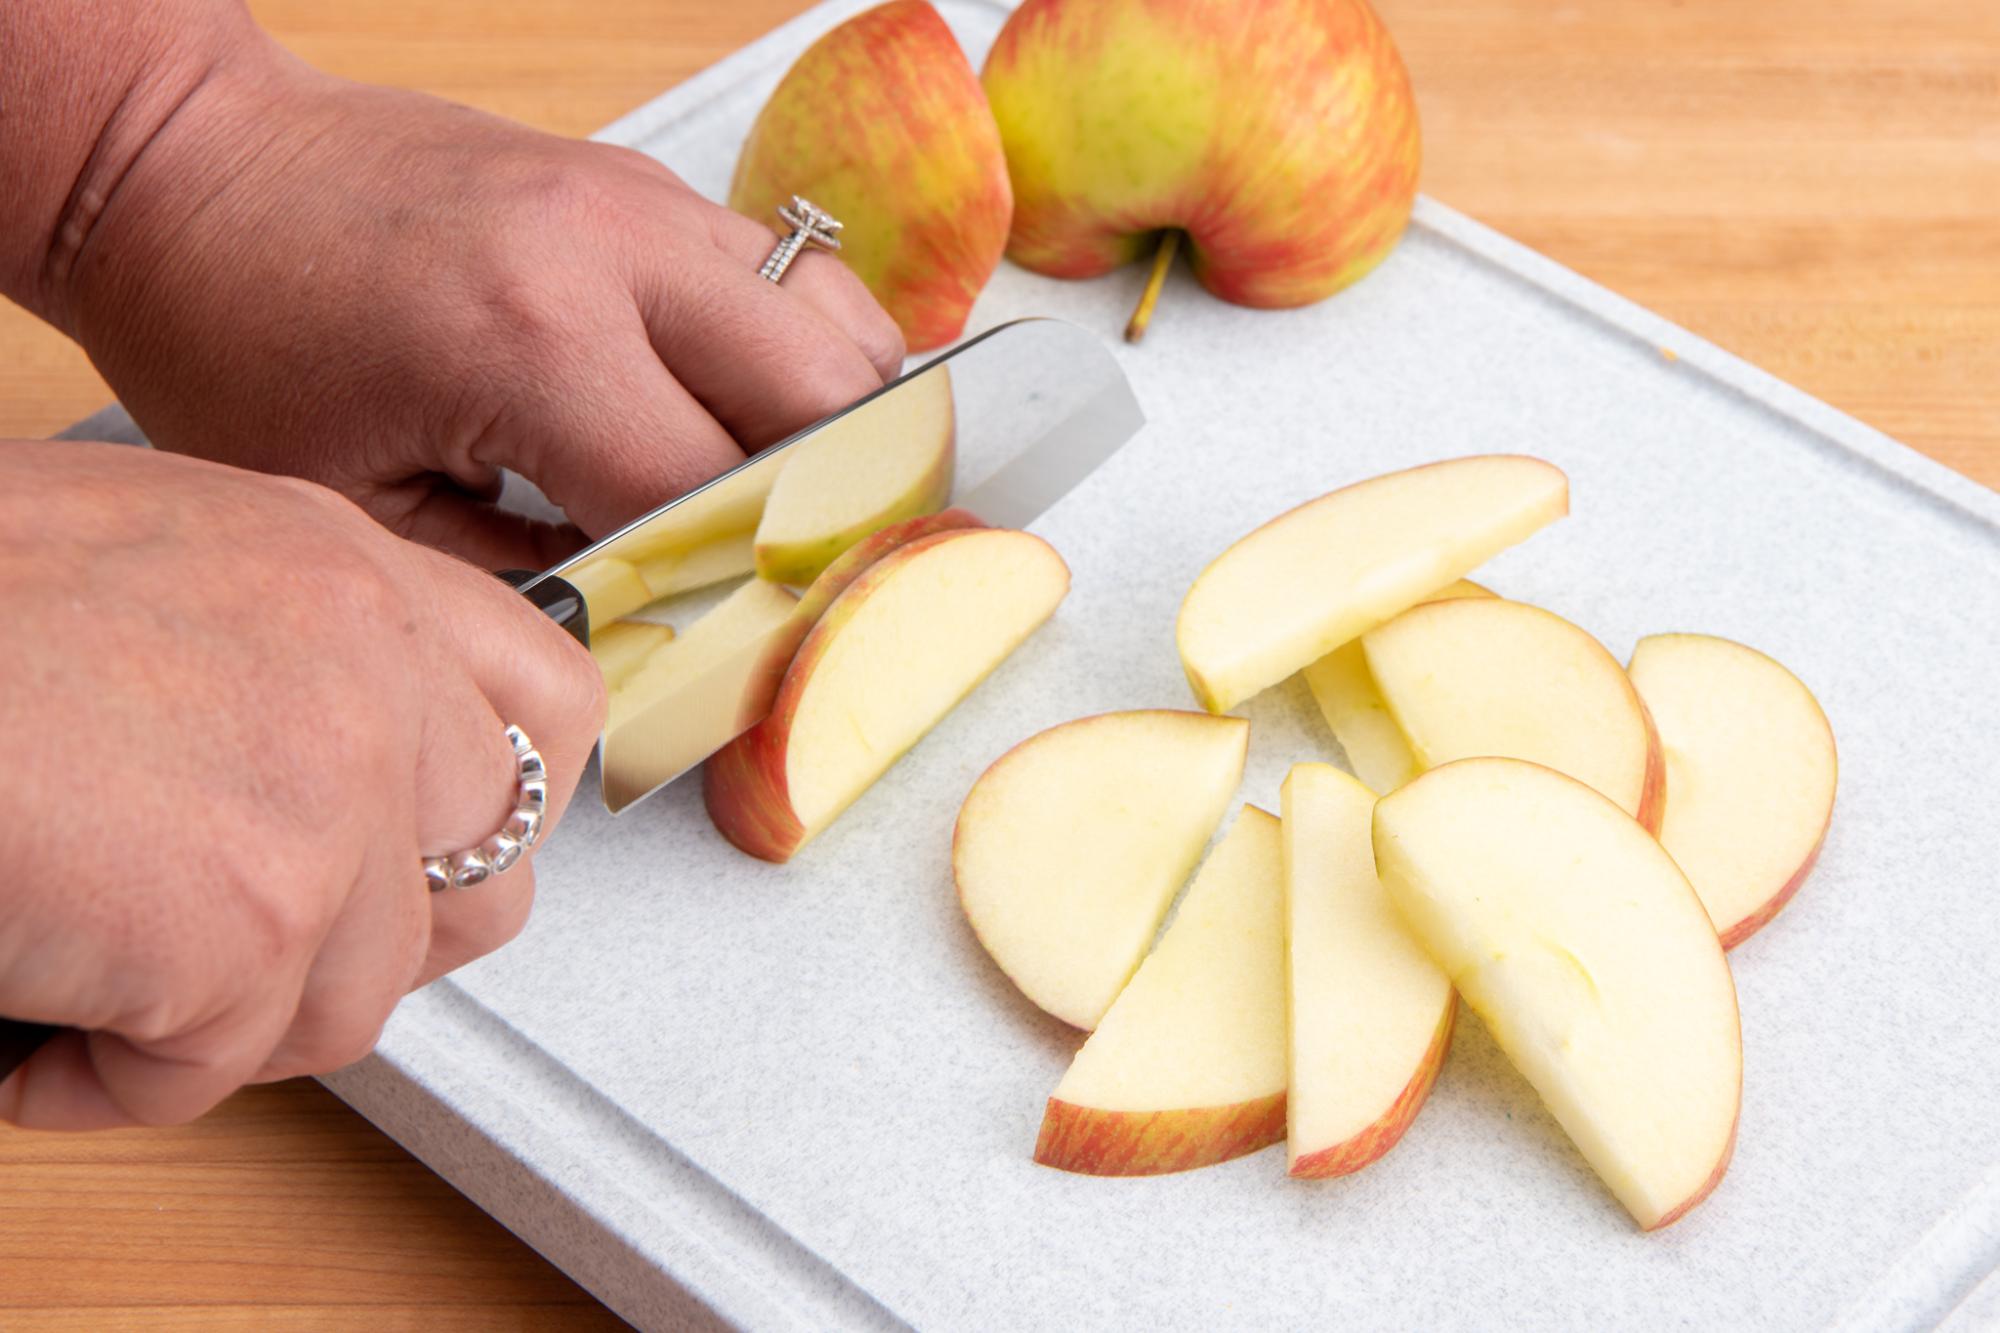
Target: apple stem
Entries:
(1163, 259)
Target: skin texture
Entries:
(1281, 134)
(397, 297)
(246, 712)
(1341, 1159)
(1153, 1143)
(888, 96)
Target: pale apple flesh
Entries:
(623, 646)
(1751, 773)
(702, 565)
(1070, 848)
(1476, 676)
(1310, 580)
(882, 123)
(1579, 942)
(1357, 714)
(1369, 1014)
(895, 652)
(1284, 142)
(675, 664)
(888, 460)
(1187, 1067)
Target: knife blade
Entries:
(1018, 418)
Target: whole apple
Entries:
(1279, 135)
(882, 123)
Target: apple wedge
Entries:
(623, 646)
(1370, 1015)
(1187, 1067)
(611, 588)
(1491, 677)
(699, 566)
(887, 461)
(1573, 934)
(1297, 588)
(892, 655)
(1069, 849)
(1751, 772)
(1356, 713)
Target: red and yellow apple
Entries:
(882, 123)
(1369, 1014)
(1187, 1067)
(1280, 136)
(1313, 578)
(893, 653)
(1069, 849)
(1579, 942)
(1751, 772)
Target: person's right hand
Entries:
(237, 713)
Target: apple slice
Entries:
(1357, 714)
(622, 647)
(1187, 1068)
(1751, 772)
(1309, 580)
(1070, 848)
(885, 462)
(698, 566)
(672, 667)
(1370, 1013)
(891, 656)
(611, 588)
(1493, 677)
(1573, 934)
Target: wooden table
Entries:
(1814, 184)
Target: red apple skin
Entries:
(1707, 1186)
(1760, 918)
(1299, 182)
(1652, 811)
(883, 124)
(1343, 1159)
(1091, 1142)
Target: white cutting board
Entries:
(800, 1097)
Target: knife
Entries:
(1015, 418)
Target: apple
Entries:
(883, 124)
(1580, 943)
(1069, 849)
(623, 646)
(1279, 135)
(1751, 772)
(1493, 677)
(698, 566)
(611, 588)
(1356, 713)
(1370, 1015)
(1187, 1067)
(887, 461)
(891, 656)
(1311, 579)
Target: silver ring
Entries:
(504, 850)
(810, 226)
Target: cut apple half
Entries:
(886, 461)
(1070, 848)
(1308, 581)
(891, 656)
(1485, 676)
(1370, 1015)
(1187, 1067)
(1359, 717)
(1751, 772)
(1580, 943)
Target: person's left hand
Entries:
(397, 297)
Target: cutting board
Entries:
(800, 1097)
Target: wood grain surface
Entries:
(1813, 184)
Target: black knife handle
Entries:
(556, 598)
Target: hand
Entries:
(397, 297)
(238, 713)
